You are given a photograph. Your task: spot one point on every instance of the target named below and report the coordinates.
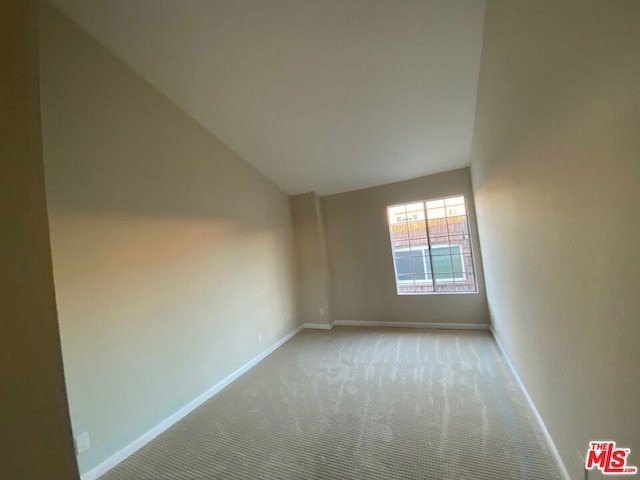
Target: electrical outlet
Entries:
(321, 312)
(83, 442)
(259, 337)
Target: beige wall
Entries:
(556, 174)
(360, 262)
(170, 252)
(311, 259)
(35, 433)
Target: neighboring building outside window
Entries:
(431, 247)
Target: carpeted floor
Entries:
(359, 403)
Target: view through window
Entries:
(431, 247)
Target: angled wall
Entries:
(171, 254)
(556, 176)
(361, 264)
(35, 433)
(311, 256)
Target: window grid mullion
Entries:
(446, 219)
(432, 248)
(409, 244)
(426, 229)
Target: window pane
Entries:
(457, 265)
(399, 235)
(419, 246)
(466, 285)
(442, 267)
(403, 265)
(419, 251)
(415, 211)
(439, 250)
(456, 210)
(408, 287)
(435, 204)
(438, 227)
(433, 213)
(457, 225)
(397, 214)
(448, 263)
(462, 240)
(464, 265)
(417, 232)
(409, 267)
(445, 287)
(454, 201)
(440, 241)
(419, 270)
(424, 287)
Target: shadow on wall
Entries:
(170, 252)
(113, 144)
(555, 173)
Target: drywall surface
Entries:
(35, 438)
(311, 255)
(170, 252)
(361, 266)
(556, 175)
(318, 95)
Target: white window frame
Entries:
(432, 281)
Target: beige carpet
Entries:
(359, 403)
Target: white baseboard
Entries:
(543, 427)
(141, 441)
(318, 326)
(452, 326)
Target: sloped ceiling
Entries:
(324, 95)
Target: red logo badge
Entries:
(610, 460)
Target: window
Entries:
(431, 247)
(447, 263)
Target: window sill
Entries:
(402, 294)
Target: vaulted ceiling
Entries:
(324, 95)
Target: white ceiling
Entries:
(324, 95)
